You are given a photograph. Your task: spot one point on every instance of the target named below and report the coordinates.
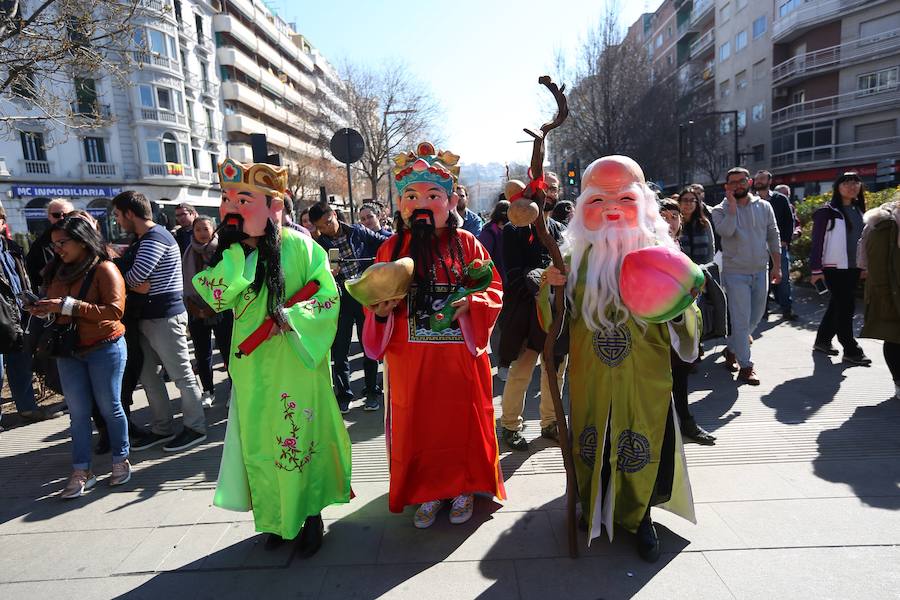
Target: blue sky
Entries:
(480, 58)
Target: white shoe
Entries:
(427, 513)
(461, 510)
(206, 400)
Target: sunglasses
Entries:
(57, 215)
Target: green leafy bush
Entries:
(802, 246)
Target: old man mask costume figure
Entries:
(627, 447)
(440, 419)
(287, 453)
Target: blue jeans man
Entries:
(18, 365)
(746, 304)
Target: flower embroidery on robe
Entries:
(293, 458)
(217, 286)
(316, 306)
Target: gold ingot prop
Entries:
(382, 282)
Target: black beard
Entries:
(742, 193)
(421, 249)
(268, 270)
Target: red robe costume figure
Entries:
(440, 430)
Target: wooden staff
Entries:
(536, 193)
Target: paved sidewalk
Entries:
(799, 499)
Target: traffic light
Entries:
(573, 179)
(570, 174)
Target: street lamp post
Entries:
(387, 145)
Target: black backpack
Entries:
(11, 336)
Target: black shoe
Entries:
(344, 406)
(372, 404)
(695, 433)
(790, 315)
(273, 542)
(311, 536)
(647, 540)
(148, 440)
(39, 414)
(550, 432)
(825, 349)
(184, 440)
(513, 439)
(102, 446)
(859, 360)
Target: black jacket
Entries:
(784, 216)
(40, 253)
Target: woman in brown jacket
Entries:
(94, 373)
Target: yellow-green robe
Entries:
(287, 452)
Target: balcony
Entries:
(91, 110)
(822, 156)
(842, 104)
(701, 10)
(703, 76)
(168, 170)
(152, 59)
(205, 177)
(157, 6)
(198, 130)
(210, 89)
(702, 44)
(162, 116)
(205, 44)
(92, 169)
(186, 32)
(214, 135)
(36, 167)
(826, 59)
(810, 14)
(191, 82)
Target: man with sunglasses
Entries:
(41, 251)
(750, 237)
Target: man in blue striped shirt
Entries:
(163, 321)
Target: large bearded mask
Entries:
(252, 196)
(615, 214)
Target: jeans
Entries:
(746, 304)
(202, 333)
(95, 377)
(164, 342)
(783, 289)
(18, 368)
(517, 381)
(838, 317)
(351, 313)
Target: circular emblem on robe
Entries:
(588, 442)
(633, 451)
(613, 347)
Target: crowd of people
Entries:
(275, 297)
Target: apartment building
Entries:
(836, 95)
(161, 136)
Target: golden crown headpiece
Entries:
(426, 164)
(269, 179)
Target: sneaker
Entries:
(121, 473)
(825, 349)
(730, 360)
(550, 432)
(859, 360)
(372, 404)
(39, 414)
(748, 375)
(79, 482)
(427, 513)
(184, 440)
(513, 439)
(790, 315)
(461, 509)
(148, 440)
(206, 400)
(344, 406)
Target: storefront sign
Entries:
(64, 191)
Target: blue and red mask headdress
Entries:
(426, 165)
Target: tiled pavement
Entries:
(799, 499)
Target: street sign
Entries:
(347, 146)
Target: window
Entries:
(94, 150)
(85, 95)
(158, 42)
(877, 27)
(798, 97)
(759, 153)
(725, 89)
(759, 70)
(153, 154)
(669, 60)
(725, 124)
(33, 145)
(788, 6)
(204, 74)
(742, 120)
(195, 158)
(879, 81)
(759, 27)
(164, 98)
(170, 148)
(724, 51)
(146, 96)
(725, 12)
(214, 161)
(759, 112)
(740, 80)
(740, 41)
(668, 32)
(198, 22)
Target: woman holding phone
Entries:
(83, 285)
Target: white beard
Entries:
(603, 251)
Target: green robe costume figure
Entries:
(287, 452)
(624, 427)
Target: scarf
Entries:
(67, 272)
(196, 257)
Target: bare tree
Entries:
(706, 149)
(49, 47)
(391, 110)
(308, 173)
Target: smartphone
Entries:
(334, 256)
(821, 287)
(27, 298)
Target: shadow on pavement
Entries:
(796, 400)
(873, 431)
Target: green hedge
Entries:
(801, 247)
